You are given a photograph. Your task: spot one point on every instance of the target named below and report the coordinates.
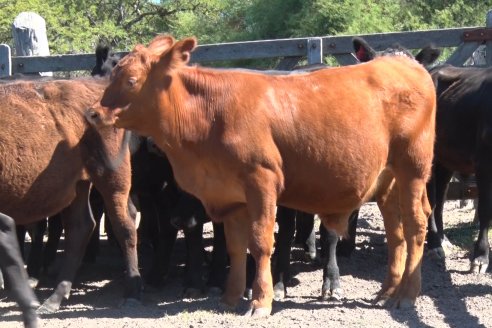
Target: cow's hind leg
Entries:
(79, 224)
(404, 280)
(281, 270)
(306, 234)
(436, 189)
(387, 200)
(346, 245)
(12, 265)
(218, 267)
(55, 229)
(331, 274)
(480, 257)
(194, 283)
(35, 258)
(415, 210)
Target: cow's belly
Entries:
(33, 206)
(337, 185)
(36, 183)
(455, 159)
(335, 174)
(328, 191)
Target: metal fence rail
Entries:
(466, 39)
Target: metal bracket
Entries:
(315, 50)
(478, 35)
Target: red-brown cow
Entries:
(322, 142)
(50, 154)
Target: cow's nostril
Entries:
(93, 114)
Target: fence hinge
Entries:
(478, 35)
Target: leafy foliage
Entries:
(78, 25)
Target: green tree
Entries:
(434, 14)
(78, 25)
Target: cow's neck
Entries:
(192, 106)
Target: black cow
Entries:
(105, 60)
(292, 222)
(42, 256)
(464, 145)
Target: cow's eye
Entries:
(132, 81)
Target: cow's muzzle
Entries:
(100, 116)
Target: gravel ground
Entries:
(451, 296)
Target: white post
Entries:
(30, 39)
(5, 61)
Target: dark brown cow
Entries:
(49, 155)
(322, 142)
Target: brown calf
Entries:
(49, 155)
(322, 142)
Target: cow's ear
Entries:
(160, 44)
(428, 55)
(182, 50)
(363, 52)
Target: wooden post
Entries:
(315, 50)
(5, 61)
(29, 33)
(488, 44)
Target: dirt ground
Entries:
(451, 296)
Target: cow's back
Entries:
(464, 104)
(40, 137)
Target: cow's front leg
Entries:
(114, 187)
(123, 223)
(261, 196)
(79, 224)
(237, 231)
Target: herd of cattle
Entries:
(238, 143)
